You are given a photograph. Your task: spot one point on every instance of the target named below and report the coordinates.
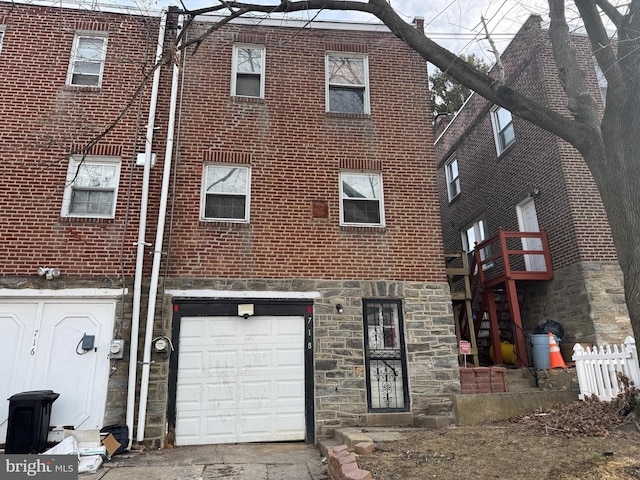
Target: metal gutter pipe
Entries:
(157, 253)
(144, 203)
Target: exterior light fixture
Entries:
(48, 273)
(339, 308)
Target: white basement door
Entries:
(240, 380)
(39, 351)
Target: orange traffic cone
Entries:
(555, 358)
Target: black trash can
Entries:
(29, 414)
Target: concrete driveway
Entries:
(251, 461)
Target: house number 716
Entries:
(33, 346)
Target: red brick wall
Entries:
(43, 122)
(568, 206)
(296, 152)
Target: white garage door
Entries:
(39, 351)
(240, 380)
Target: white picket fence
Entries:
(598, 368)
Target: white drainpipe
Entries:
(157, 253)
(137, 285)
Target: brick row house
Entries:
(261, 223)
(498, 173)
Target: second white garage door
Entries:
(240, 380)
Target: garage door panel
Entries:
(222, 395)
(289, 422)
(191, 363)
(286, 391)
(193, 330)
(289, 357)
(225, 360)
(254, 376)
(39, 349)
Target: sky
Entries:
(455, 24)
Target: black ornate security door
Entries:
(385, 356)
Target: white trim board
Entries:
(63, 293)
(241, 294)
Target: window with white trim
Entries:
(91, 188)
(247, 78)
(347, 83)
(453, 177)
(225, 193)
(476, 232)
(87, 60)
(502, 128)
(602, 81)
(2, 28)
(361, 199)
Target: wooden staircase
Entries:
(485, 295)
(458, 277)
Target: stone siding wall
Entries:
(340, 377)
(586, 298)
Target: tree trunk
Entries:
(616, 170)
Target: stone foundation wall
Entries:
(586, 298)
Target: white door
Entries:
(240, 380)
(39, 350)
(528, 222)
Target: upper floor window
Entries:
(87, 60)
(453, 178)
(2, 27)
(225, 193)
(92, 187)
(502, 128)
(361, 199)
(247, 78)
(347, 83)
(602, 81)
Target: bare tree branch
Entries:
(498, 68)
(610, 11)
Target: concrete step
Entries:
(327, 444)
(433, 421)
(520, 380)
(440, 407)
(401, 419)
(350, 436)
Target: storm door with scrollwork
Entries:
(385, 359)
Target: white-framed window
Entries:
(87, 60)
(347, 89)
(2, 29)
(453, 177)
(247, 76)
(602, 81)
(502, 128)
(91, 189)
(225, 193)
(476, 232)
(361, 200)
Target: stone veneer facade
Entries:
(339, 364)
(586, 298)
